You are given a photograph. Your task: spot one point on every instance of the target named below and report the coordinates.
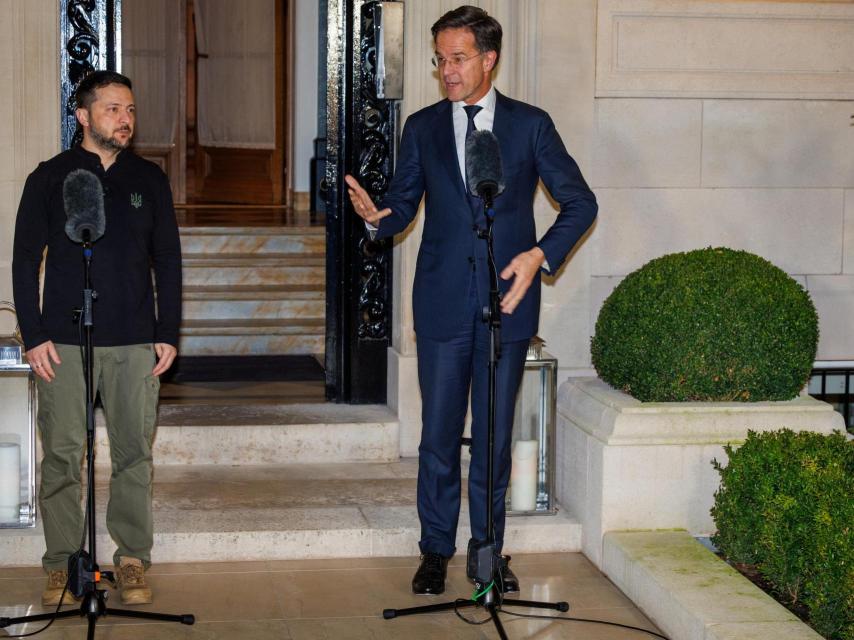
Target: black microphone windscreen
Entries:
(83, 196)
(483, 164)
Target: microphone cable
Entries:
(500, 609)
(585, 620)
(518, 616)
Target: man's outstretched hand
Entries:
(522, 269)
(363, 204)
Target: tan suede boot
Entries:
(130, 578)
(53, 589)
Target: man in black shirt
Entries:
(133, 345)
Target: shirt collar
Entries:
(93, 158)
(487, 102)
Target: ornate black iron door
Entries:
(363, 39)
(90, 32)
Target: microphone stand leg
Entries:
(493, 613)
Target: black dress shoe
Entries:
(508, 579)
(430, 577)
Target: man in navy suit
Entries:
(452, 278)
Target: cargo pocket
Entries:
(149, 415)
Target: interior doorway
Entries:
(212, 82)
(213, 92)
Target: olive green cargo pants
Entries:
(129, 395)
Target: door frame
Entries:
(361, 139)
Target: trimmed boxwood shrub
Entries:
(713, 325)
(786, 505)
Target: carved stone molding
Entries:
(700, 48)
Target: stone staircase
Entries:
(267, 482)
(253, 290)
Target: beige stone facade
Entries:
(697, 123)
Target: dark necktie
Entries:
(471, 111)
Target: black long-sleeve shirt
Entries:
(141, 234)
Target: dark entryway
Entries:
(229, 173)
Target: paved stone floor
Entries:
(338, 599)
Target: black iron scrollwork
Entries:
(372, 304)
(81, 57)
(88, 31)
(84, 43)
(375, 139)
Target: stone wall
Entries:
(728, 123)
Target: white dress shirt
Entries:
(482, 121)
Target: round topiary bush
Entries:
(713, 325)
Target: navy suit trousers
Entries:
(447, 370)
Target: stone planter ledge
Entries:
(691, 594)
(616, 418)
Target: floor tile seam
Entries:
(353, 617)
(377, 422)
(277, 571)
(279, 532)
(156, 573)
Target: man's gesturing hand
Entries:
(524, 267)
(363, 204)
(40, 360)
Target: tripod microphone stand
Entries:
(84, 575)
(483, 562)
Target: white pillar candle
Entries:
(10, 481)
(523, 475)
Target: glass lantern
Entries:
(532, 475)
(17, 436)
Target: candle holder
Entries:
(532, 475)
(17, 434)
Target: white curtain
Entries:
(236, 73)
(151, 58)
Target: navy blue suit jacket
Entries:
(531, 149)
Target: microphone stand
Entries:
(84, 575)
(483, 562)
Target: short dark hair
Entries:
(85, 94)
(486, 29)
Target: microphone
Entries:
(83, 196)
(483, 165)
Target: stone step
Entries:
(255, 292)
(253, 240)
(253, 345)
(261, 434)
(248, 269)
(265, 336)
(294, 305)
(291, 511)
(253, 326)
